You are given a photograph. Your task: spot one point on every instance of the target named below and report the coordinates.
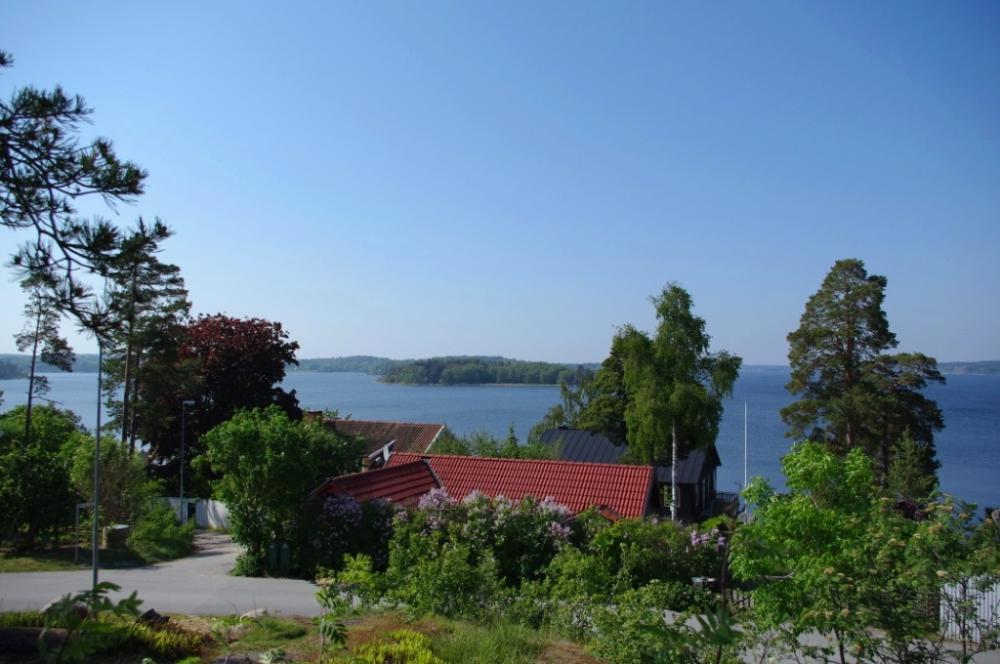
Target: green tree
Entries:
(35, 494)
(52, 429)
(41, 336)
(832, 556)
(852, 393)
(44, 172)
(147, 300)
(664, 393)
(126, 490)
(268, 464)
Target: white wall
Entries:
(207, 513)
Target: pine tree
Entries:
(852, 392)
(41, 336)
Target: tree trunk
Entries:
(31, 379)
(673, 473)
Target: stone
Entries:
(153, 618)
(253, 615)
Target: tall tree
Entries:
(44, 172)
(662, 395)
(852, 392)
(147, 301)
(41, 336)
(230, 364)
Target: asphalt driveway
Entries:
(197, 585)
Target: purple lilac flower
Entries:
(558, 531)
(435, 499)
(550, 506)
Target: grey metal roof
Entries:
(579, 445)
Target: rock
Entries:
(253, 615)
(153, 619)
(235, 659)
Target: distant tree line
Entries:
(482, 370)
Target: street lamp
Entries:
(184, 405)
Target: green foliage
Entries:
(402, 646)
(496, 642)
(650, 388)
(86, 634)
(44, 174)
(908, 478)
(268, 464)
(451, 583)
(863, 564)
(339, 526)
(53, 429)
(477, 370)
(126, 490)
(35, 494)
(484, 444)
(852, 392)
(158, 536)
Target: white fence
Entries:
(967, 607)
(206, 513)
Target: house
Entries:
(616, 490)
(697, 497)
(383, 438)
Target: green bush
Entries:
(402, 646)
(451, 584)
(158, 536)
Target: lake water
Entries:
(968, 447)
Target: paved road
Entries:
(198, 585)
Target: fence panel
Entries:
(965, 607)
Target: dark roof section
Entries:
(580, 445)
(407, 436)
(587, 446)
(403, 484)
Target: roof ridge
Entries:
(560, 461)
(419, 424)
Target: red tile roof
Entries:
(403, 483)
(408, 436)
(622, 488)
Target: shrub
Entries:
(338, 526)
(402, 646)
(451, 584)
(158, 536)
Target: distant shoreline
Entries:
(87, 363)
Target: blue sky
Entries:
(414, 179)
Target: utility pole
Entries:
(95, 533)
(184, 405)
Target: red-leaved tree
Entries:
(233, 363)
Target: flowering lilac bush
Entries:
(510, 541)
(343, 526)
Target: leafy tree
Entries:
(148, 301)
(52, 429)
(41, 329)
(268, 464)
(832, 556)
(44, 172)
(664, 392)
(224, 364)
(852, 394)
(126, 490)
(35, 494)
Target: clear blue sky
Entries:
(412, 179)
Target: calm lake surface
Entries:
(968, 447)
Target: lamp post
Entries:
(95, 532)
(184, 405)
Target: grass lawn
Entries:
(61, 559)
